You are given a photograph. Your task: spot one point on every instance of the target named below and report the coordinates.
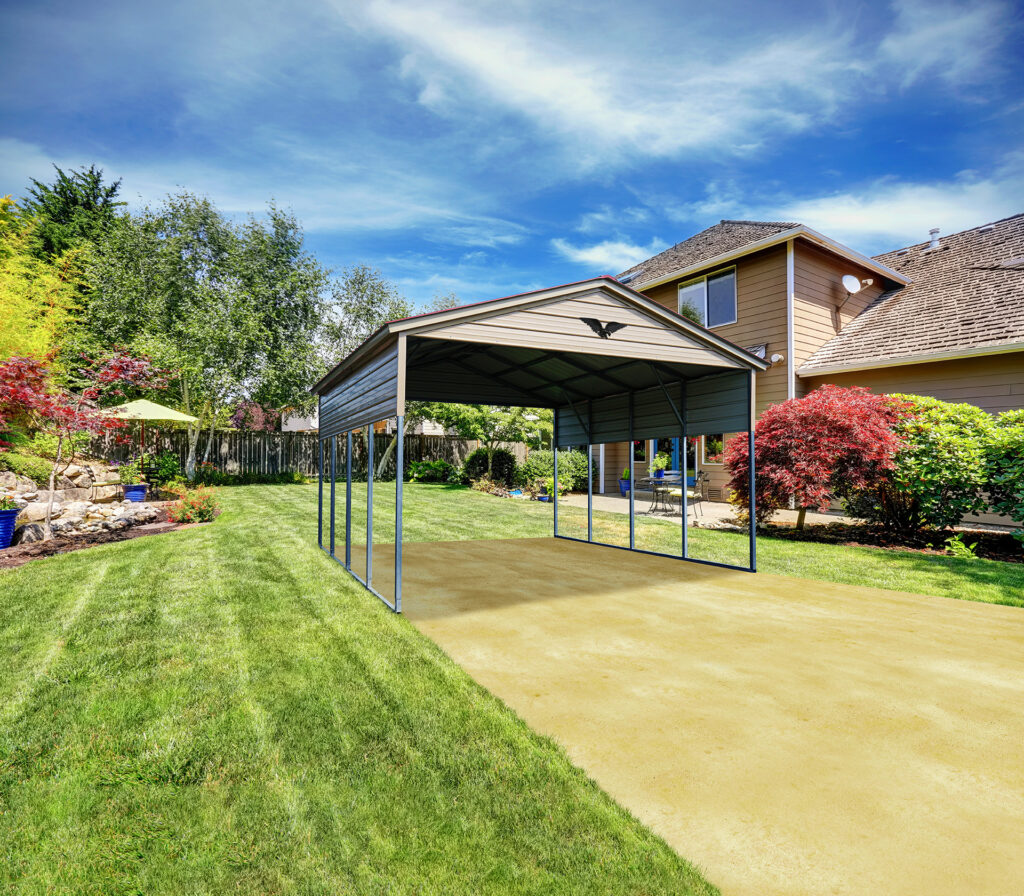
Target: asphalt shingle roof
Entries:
(968, 293)
(725, 236)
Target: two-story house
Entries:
(942, 318)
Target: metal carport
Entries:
(654, 373)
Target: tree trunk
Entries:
(193, 435)
(386, 456)
(800, 517)
(209, 441)
(53, 482)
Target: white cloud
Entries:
(610, 100)
(609, 256)
(607, 219)
(890, 212)
(955, 41)
(325, 194)
(877, 215)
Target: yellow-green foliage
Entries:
(38, 298)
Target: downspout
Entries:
(790, 338)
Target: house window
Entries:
(713, 447)
(711, 299)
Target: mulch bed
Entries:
(63, 544)
(990, 544)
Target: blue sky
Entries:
(488, 148)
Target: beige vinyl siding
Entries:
(992, 382)
(760, 319)
(760, 315)
(558, 326)
(819, 293)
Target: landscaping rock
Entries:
(29, 533)
(77, 494)
(83, 480)
(104, 494)
(12, 483)
(34, 512)
(76, 508)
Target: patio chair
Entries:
(697, 491)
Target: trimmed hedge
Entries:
(939, 472)
(1004, 463)
(572, 468)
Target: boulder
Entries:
(83, 479)
(76, 508)
(12, 483)
(29, 533)
(76, 494)
(73, 470)
(34, 512)
(104, 494)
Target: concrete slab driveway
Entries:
(788, 736)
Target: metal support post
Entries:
(399, 479)
(348, 500)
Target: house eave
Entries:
(776, 240)
(920, 358)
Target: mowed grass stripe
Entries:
(234, 714)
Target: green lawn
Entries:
(222, 710)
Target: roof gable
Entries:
(724, 237)
(967, 296)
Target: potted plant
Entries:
(624, 482)
(131, 482)
(9, 511)
(659, 464)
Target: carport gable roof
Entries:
(484, 323)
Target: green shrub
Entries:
(572, 468)
(45, 445)
(130, 472)
(504, 470)
(208, 474)
(164, 467)
(196, 506)
(432, 471)
(939, 471)
(29, 465)
(1004, 467)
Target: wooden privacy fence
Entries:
(288, 452)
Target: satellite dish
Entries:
(852, 284)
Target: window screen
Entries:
(721, 299)
(691, 301)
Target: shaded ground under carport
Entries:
(789, 736)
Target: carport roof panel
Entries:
(553, 320)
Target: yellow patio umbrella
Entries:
(142, 409)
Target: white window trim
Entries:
(704, 453)
(704, 279)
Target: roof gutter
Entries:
(921, 358)
(775, 240)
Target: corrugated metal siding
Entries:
(371, 395)
(714, 404)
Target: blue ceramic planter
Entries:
(659, 474)
(136, 493)
(624, 487)
(7, 518)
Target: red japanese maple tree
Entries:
(814, 449)
(29, 398)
